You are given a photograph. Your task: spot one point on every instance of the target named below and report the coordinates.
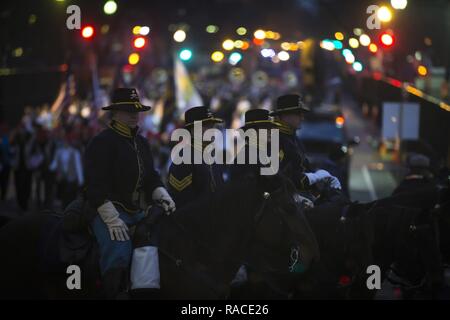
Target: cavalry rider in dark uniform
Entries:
(289, 112)
(254, 119)
(188, 182)
(419, 175)
(120, 182)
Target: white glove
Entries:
(317, 176)
(334, 183)
(161, 196)
(118, 229)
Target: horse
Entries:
(201, 246)
(385, 233)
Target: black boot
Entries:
(115, 283)
(145, 294)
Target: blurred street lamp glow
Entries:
(179, 36)
(399, 4)
(228, 44)
(87, 32)
(339, 36)
(241, 31)
(418, 55)
(357, 31)
(285, 45)
(346, 52)
(283, 56)
(110, 7)
(373, 48)
(234, 58)
(185, 54)
(144, 31)
(32, 19)
(18, 52)
(258, 42)
(212, 28)
(387, 39)
(357, 66)
(353, 43)
(260, 34)
(133, 59)
(270, 34)
(267, 53)
(364, 39)
(238, 44)
(104, 29)
(245, 45)
(349, 58)
(139, 42)
(327, 45)
(136, 30)
(85, 112)
(337, 44)
(422, 70)
(384, 14)
(276, 36)
(217, 56)
(275, 59)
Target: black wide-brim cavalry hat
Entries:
(200, 113)
(289, 103)
(126, 99)
(259, 118)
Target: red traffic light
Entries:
(87, 32)
(387, 39)
(139, 42)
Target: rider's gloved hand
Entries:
(317, 176)
(334, 183)
(118, 230)
(161, 196)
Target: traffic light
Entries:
(87, 32)
(387, 39)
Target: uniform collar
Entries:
(123, 129)
(285, 128)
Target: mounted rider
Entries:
(120, 182)
(254, 119)
(189, 181)
(289, 112)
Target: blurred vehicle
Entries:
(326, 143)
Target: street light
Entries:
(384, 14)
(399, 4)
(110, 7)
(228, 45)
(179, 36)
(364, 39)
(217, 56)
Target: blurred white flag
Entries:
(186, 94)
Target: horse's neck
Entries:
(231, 223)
